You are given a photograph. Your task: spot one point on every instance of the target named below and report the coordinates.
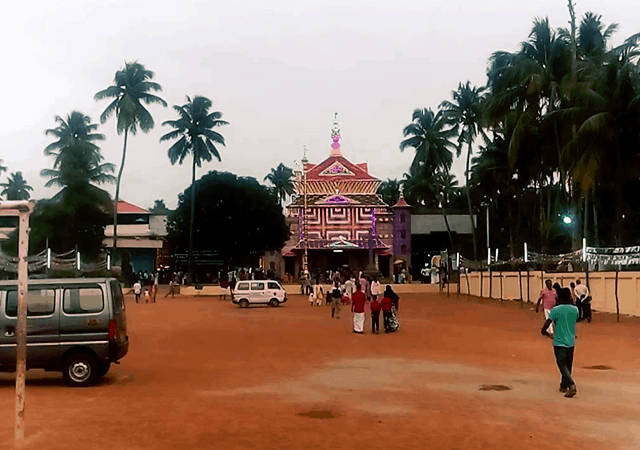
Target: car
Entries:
(260, 292)
(76, 326)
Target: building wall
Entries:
(402, 233)
(428, 223)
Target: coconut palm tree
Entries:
(16, 187)
(77, 158)
(430, 136)
(132, 86)
(281, 179)
(194, 130)
(444, 186)
(465, 112)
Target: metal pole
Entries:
(305, 263)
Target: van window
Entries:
(83, 300)
(257, 286)
(273, 285)
(243, 286)
(40, 302)
(116, 294)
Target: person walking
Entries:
(137, 290)
(357, 308)
(582, 294)
(564, 315)
(387, 314)
(336, 299)
(349, 287)
(375, 316)
(395, 300)
(375, 289)
(548, 298)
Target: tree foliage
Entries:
(281, 179)
(235, 216)
(16, 187)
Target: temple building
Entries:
(338, 220)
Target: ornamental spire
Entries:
(336, 150)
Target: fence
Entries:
(609, 295)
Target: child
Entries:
(319, 296)
(312, 299)
(375, 316)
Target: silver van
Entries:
(76, 326)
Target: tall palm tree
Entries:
(281, 179)
(16, 187)
(444, 186)
(195, 130)
(132, 86)
(429, 136)
(465, 112)
(77, 158)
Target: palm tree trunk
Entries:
(618, 183)
(117, 199)
(512, 247)
(473, 225)
(446, 222)
(193, 216)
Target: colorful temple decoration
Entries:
(345, 216)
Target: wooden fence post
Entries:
(520, 284)
(617, 301)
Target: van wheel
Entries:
(244, 303)
(80, 370)
(274, 302)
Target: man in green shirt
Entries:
(564, 315)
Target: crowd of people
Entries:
(363, 295)
(563, 308)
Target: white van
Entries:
(261, 292)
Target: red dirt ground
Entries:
(204, 374)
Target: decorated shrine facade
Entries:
(345, 222)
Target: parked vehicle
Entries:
(75, 326)
(265, 292)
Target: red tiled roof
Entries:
(130, 208)
(360, 171)
(401, 203)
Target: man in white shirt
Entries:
(375, 289)
(583, 301)
(137, 290)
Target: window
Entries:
(403, 234)
(403, 217)
(243, 286)
(403, 249)
(40, 302)
(82, 300)
(116, 294)
(257, 286)
(273, 285)
(133, 219)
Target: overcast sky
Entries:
(277, 70)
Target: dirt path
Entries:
(204, 374)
